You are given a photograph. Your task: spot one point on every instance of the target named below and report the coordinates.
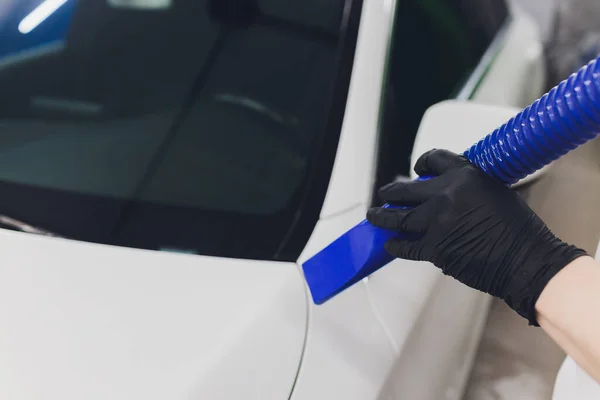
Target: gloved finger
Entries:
(436, 162)
(397, 219)
(408, 250)
(408, 193)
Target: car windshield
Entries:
(181, 125)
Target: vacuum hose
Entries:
(560, 121)
(564, 118)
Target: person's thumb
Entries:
(436, 162)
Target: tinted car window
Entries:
(436, 46)
(182, 124)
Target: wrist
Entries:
(563, 289)
(534, 274)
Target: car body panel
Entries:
(572, 382)
(88, 321)
(413, 302)
(517, 73)
(93, 321)
(353, 173)
(440, 304)
(437, 339)
(348, 349)
(514, 76)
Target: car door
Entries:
(481, 51)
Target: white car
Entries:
(191, 155)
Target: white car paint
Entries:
(349, 351)
(515, 79)
(352, 177)
(517, 76)
(413, 302)
(86, 321)
(573, 383)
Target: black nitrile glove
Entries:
(475, 230)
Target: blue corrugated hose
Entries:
(564, 118)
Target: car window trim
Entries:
(318, 179)
(485, 63)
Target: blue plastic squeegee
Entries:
(560, 121)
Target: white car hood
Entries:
(87, 321)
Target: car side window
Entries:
(436, 45)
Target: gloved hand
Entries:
(475, 230)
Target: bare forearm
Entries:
(569, 311)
